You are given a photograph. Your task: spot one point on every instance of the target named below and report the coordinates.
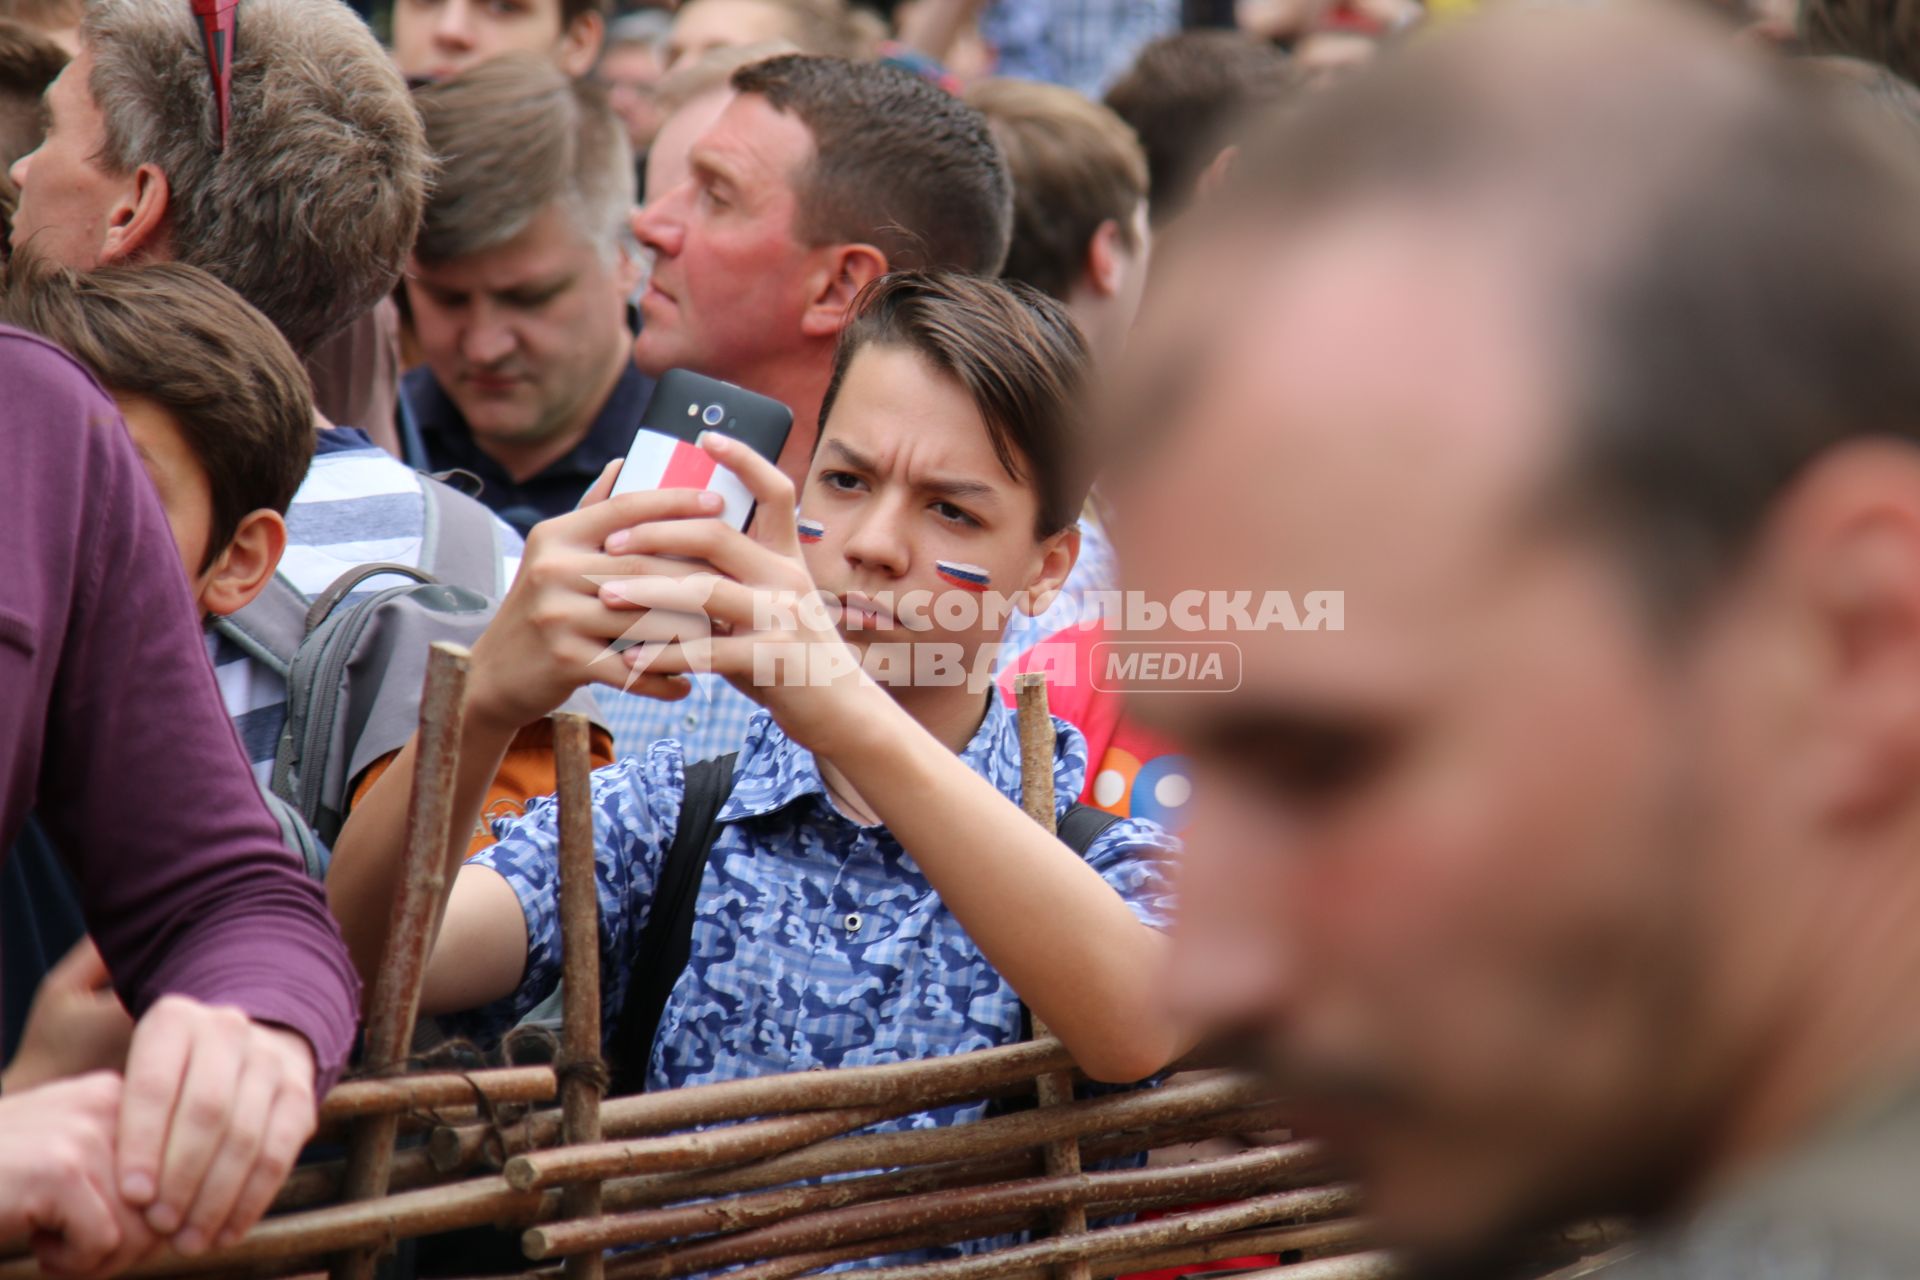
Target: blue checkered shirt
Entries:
(1083, 44)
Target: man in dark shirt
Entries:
(111, 729)
(519, 289)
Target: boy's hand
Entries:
(215, 1109)
(767, 619)
(553, 630)
(76, 1024)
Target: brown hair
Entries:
(1184, 96)
(309, 211)
(177, 336)
(513, 135)
(29, 62)
(1075, 165)
(899, 163)
(42, 15)
(1013, 349)
(1882, 31)
(572, 9)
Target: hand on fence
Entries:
(76, 1024)
(216, 1108)
(57, 1185)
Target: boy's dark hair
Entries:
(174, 334)
(1184, 96)
(1075, 165)
(898, 163)
(571, 9)
(1014, 350)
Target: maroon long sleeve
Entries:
(111, 727)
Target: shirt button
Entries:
(853, 922)
(692, 722)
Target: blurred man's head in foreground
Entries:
(1582, 353)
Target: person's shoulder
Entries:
(37, 371)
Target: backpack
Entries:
(663, 947)
(354, 668)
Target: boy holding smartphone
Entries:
(874, 891)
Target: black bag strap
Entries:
(661, 955)
(1082, 825)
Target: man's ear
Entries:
(1855, 517)
(1103, 265)
(845, 270)
(1057, 556)
(243, 570)
(1214, 176)
(580, 43)
(627, 270)
(137, 224)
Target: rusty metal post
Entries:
(1037, 798)
(582, 1077)
(394, 1003)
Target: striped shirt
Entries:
(358, 505)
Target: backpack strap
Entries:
(271, 628)
(458, 543)
(661, 955)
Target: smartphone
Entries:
(684, 404)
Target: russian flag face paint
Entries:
(810, 530)
(970, 577)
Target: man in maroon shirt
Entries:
(112, 730)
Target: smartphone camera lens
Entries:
(712, 415)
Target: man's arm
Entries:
(213, 936)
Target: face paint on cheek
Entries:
(968, 577)
(810, 530)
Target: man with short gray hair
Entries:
(519, 289)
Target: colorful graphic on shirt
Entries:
(969, 576)
(810, 530)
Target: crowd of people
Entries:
(1563, 361)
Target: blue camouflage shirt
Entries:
(817, 942)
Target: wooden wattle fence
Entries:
(769, 1176)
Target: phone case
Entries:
(684, 404)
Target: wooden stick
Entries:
(1182, 1101)
(395, 1000)
(1314, 1239)
(432, 1090)
(1319, 1202)
(482, 1200)
(1129, 1190)
(580, 955)
(709, 1149)
(1317, 1240)
(1037, 798)
(708, 1104)
(1356, 1266)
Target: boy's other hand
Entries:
(215, 1110)
(76, 1024)
(552, 633)
(773, 637)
